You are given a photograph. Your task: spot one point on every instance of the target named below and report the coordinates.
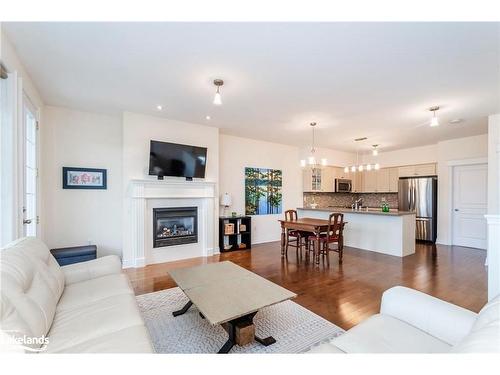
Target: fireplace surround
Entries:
(145, 195)
(175, 226)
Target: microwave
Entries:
(343, 185)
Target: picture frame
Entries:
(84, 178)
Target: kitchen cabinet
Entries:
(327, 180)
(417, 170)
(393, 180)
(318, 180)
(382, 178)
(369, 181)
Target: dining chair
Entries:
(294, 237)
(333, 235)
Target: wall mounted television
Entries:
(176, 160)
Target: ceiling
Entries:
(374, 80)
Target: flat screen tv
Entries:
(172, 159)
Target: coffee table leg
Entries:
(231, 338)
(183, 310)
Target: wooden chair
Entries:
(294, 237)
(333, 235)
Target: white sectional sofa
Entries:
(414, 322)
(83, 307)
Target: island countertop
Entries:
(364, 211)
(391, 233)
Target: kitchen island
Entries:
(391, 233)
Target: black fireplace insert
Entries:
(175, 226)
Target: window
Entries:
(30, 168)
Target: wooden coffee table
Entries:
(230, 295)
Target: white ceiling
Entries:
(355, 79)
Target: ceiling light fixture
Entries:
(159, 107)
(434, 119)
(360, 167)
(207, 117)
(217, 98)
(311, 159)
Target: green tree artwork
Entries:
(263, 191)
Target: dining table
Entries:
(307, 224)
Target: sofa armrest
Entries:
(75, 273)
(445, 321)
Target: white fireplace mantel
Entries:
(143, 195)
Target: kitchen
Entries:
(364, 195)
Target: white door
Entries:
(30, 168)
(469, 205)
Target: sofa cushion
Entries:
(385, 334)
(93, 322)
(32, 283)
(134, 339)
(91, 291)
(485, 333)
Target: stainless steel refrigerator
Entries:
(419, 195)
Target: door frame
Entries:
(451, 178)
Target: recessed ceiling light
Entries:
(456, 121)
(159, 107)
(207, 117)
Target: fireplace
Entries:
(175, 226)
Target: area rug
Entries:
(295, 328)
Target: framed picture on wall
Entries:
(263, 195)
(84, 178)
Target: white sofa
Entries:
(414, 322)
(83, 307)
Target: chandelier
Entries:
(311, 159)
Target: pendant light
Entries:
(311, 159)
(434, 119)
(217, 98)
(360, 167)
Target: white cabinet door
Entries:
(327, 179)
(382, 180)
(393, 180)
(417, 170)
(425, 170)
(370, 182)
(469, 205)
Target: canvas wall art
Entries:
(263, 194)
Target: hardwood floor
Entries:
(349, 293)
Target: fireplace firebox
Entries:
(175, 226)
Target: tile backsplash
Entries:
(346, 199)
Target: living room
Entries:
(232, 187)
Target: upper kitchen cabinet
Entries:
(393, 179)
(369, 181)
(318, 179)
(417, 170)
(382, 178)
(327, 180)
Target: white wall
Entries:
(237, 153)
(333, 157)
(77, 217)
(452, 150)
(407, 156)
(138, 131)
(494, 164)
